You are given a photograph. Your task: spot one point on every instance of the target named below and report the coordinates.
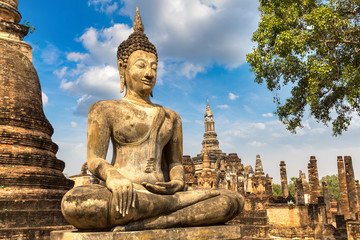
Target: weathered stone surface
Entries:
(31, 233)
(351, 188)
(299, 191)
(326, 200)
(143, 186)
(353, 230)
(344, 202)
(314, 184)
(212, 232)
(284, 182)
(31, 179)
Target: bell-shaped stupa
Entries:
(31, 180)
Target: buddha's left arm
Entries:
(174, 152)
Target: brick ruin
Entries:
(308, 215)
(31, 179)
(213, 168)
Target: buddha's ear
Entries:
(121, 69)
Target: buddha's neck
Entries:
(134, 97)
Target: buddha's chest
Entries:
(137, 126)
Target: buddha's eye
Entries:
(154, 66)
(140, 65)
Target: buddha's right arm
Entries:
(98, 136)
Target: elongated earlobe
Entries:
(122, 83)
(151, 94)
(121, 69)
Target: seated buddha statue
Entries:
(143, 187)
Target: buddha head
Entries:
(137, 60)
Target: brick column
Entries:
(351, 187)
(305, 186)
(344, 202)
(299, 192)
(313, 180)
(326, 199)
(284, 182)
(358, 192)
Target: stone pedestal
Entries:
(210, 232)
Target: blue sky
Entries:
(202, 46)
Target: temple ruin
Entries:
(31, 179)
(309, 214)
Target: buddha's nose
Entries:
(149, 74)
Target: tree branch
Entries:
(340, 41)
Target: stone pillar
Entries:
(326, 199)
(344, 202)
(284, 182)
(305, 184)
(268, 185)
(299, 192)
(313, 180)
(358, 192)
(351, 187)
(259, 167)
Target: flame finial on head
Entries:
(138, 26)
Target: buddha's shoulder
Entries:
(171, 114)
(104, 106)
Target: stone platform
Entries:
(209, 232)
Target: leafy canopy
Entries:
(314, 47)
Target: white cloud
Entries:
(107, 6)
(199, 122)
(223, 106)
(233, 96)
(199, 31)
(190, 36)
(188, 70)
(102, 44)
(76, 56)
(355, 121)
(102, 82)
(45, 99)
(51, 54)
(260, 126)
(267, 115)
(60, 73)
(73, 124)
(256, 144)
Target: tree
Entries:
(276, 188)
(291, 186)
(333, 186)
(313, 46)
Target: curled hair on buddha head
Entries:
(136, 41)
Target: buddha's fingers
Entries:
(134, 196)
(128, 196)
(120, 201)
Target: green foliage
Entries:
(31, 28)
(276, 188)
(333, 186)
(314, 47)
(291, 186)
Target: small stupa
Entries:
(31, 180)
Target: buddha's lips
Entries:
(147, 82)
